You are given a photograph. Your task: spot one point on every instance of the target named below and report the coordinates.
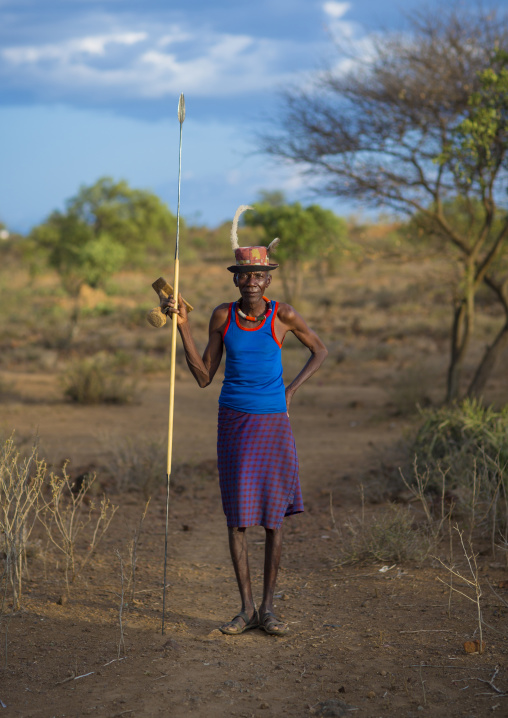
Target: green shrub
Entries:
(98, 381)
(466, 446)
(456, 437)
(102, 309)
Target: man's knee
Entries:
(232, 530)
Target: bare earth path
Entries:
(362, 642)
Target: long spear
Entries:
(174, 318)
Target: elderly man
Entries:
(258, 465)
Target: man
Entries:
(258, 465)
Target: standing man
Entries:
(257, 461)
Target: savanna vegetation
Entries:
(403, 434)
(380, 300)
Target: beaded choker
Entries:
(254, 319)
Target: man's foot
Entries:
(240, 623)
(272, 625)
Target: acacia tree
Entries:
(104, 227)
(374, 133)
(135, 218)
(306, 234)
(478, 152)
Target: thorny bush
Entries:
(21, 481)
(466, 446)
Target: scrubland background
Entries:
(366, 575)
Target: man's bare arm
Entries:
(204, 368)
(294, 322)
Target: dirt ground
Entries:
(363, 641)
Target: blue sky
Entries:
(90, 88)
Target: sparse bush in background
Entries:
(467, 443)
(410, 389)
(6, 391)
(140, 465)
(137, 464)
(98, 381)
(101, 309)
(21, 481)
(389, 536)
(152, 365)
(66, 512)
(136, 317)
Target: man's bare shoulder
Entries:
(219, 316)
(221, 310)
(286, 313)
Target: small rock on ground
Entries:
(332, 709)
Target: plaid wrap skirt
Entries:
(258, 468)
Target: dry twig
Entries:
(121, 642)
(491, 682)
(473, 583)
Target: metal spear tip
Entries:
(181, 109)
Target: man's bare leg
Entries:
(240, 558)
(273, 550)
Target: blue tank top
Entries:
(253, 377)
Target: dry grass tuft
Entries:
(98, 381)
(389, 536)
(137, 464)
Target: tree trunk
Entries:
(461, 334)
(462, 330)
(292, 275)
(494, 351)
(489, 362)
(74, 320)
(298, 275)
(285, 285)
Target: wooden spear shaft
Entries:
(174, 330)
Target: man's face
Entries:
(252, 285)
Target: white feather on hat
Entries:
(273, 245)
(234, 226)
(234, 230)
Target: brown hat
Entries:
(250, 259)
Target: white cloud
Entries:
(67, 50)
(175, 34)
(135, 60)
(230, 64)
(150, 64)
(336, 9)
(339, 29)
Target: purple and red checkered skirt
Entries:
(258, 468)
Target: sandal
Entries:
(235, 630)
(272, 625)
